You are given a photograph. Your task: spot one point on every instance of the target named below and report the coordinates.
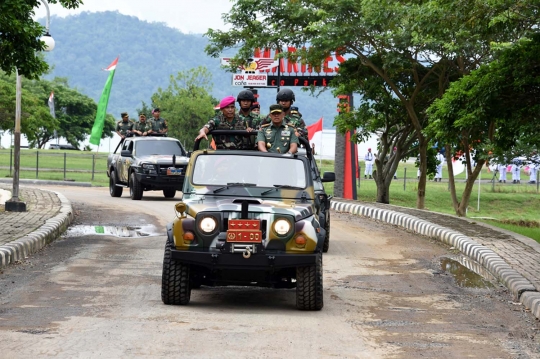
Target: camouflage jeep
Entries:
(247, 218)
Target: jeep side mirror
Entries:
(125, 153)
(328, 177)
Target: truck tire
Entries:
(309, 286)
(135, 188)
(114, 190)
(175, 283)
(169, 192)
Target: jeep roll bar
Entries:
(303, 142)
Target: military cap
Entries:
(124, 114)
(276, 108)
(155, 110)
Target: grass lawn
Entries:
(514, 207)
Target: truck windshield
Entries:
(253, 170)
(148, 148)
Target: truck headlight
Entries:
(208, 224)
(282, 227)
(148, 168)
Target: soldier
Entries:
(124, 126)
(256, 109)
(246, 99)
(142, 127)
(286, 98)
(159, 125)
(277, 136)
(226, 120)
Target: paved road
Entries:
(386, 296)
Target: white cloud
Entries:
(188, 16)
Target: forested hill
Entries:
(149, 54)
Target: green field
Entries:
(510, 206)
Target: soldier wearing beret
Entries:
(124, 126)
(159, 125)
(277, 136)
(142, 127)
(227, 119)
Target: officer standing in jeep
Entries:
(285, 97)
(277, 136)
(142, 127)
(124, 126)
(159, 125)
(227, 120)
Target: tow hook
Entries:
(247, 253)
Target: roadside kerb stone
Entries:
(21, 248)
(516, 283)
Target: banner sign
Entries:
(291, 80)
(254, 80)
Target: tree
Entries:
(20, 42)
(75, 112)
(490, 111)
(431, 42)
(186, 103)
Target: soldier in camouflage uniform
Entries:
(277, 136)
(286, 98)
(227, 120)
(124, 126)
(142, 127)
(246, 99)
(159, 125)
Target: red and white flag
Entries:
(313, 129)
(51, 105)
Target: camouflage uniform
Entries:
(158, 125)
(124, 127)
(277, 139)
(252, 121)
(228, 142)
(143, 127)
(297, 122)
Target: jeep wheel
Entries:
(114, 190)
(169, 192)
(175, 285)
(135, 188)
(326, 244)
(309, 286)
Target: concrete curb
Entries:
(520, 287)
(33, 242)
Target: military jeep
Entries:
(248, 218)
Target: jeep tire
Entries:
(175, 283)
(114, 190)
(135, 188)
(309, 286)
(326, 244)
(169, 192)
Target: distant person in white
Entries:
(440, 160)
(533, 168)
(502, 172)
(516, 170)
(368, 158)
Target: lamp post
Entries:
(15, 204)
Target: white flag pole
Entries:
(322, 134)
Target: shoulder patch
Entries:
(266, 125)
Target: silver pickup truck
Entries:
(147, 164)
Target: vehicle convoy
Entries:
(249, 218)
(147, 164)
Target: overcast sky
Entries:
(188, 16)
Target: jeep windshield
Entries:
(259, 171)
(158, 147)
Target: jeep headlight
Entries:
(208, 224)
(282, 227)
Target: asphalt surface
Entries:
(513, 259)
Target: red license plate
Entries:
(244, 230)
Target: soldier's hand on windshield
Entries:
(201, 135)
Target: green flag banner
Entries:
(97, 129)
